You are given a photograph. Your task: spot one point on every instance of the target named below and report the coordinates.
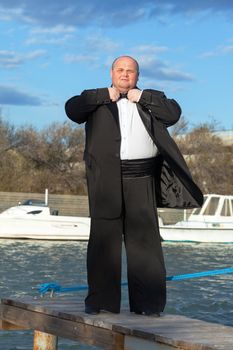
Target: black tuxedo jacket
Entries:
(173, 182)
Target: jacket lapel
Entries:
(146, 118)
(114, 111)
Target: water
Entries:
(26, 264)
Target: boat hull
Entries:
(173, 233)
(55, 228)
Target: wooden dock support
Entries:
(44, 341)
(60, 317)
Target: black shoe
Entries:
(91, 310)
(148, 313)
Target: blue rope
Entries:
(200, 274)
(55, 287)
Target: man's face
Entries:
(124, 74)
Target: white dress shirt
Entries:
(136, 143)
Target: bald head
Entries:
(124, 73)
(127, 57)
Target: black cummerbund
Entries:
(137, 167)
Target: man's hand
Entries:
(114, 94)
(134, 95)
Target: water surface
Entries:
(25, 264)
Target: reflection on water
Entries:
(26, 264)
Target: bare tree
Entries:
(33, 160)
(9, 159)
(180, 127)
(55, 157)
(209, 159)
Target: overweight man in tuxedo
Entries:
(133, 166)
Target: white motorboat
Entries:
(33, 220)
(212, 223)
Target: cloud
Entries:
(92, 48)
(154, 68)
(58, 30)
(10, 11)
(9, 95)
(151, 49)
(151, 67)
(97, 42)
(70, 58)
(192, 8)
(57, 35)
(106, 13)
(168, 86)
(219, 51)
(75, 12)
(12, 59)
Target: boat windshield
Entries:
(226, 209)
(196, 211)
(212, 206)
(35, 202)
(215, 205)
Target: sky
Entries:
(53, 50)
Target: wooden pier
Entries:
(51, 318)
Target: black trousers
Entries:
(145, 264)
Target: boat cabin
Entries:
(215, 205)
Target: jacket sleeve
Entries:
(165, 110)
(79, 107)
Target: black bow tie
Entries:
(123, 95)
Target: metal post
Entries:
(185, 214)
(44, 341)
(46, 197)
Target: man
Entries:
(132, 167)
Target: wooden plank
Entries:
(109, 329)
(7, 326)
(48, 307)
(85, 333)
(133, 343)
